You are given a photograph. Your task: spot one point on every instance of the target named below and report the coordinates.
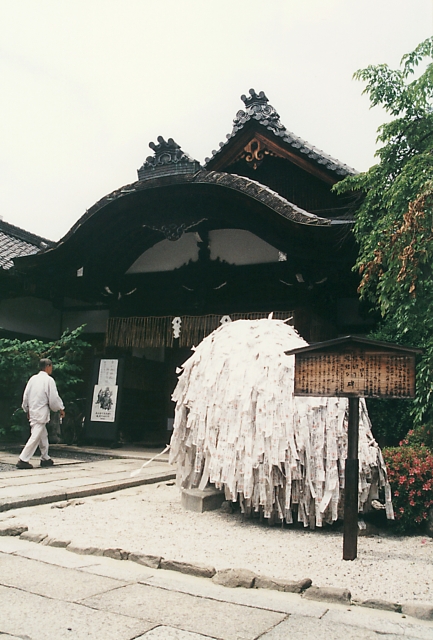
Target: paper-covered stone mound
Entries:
(239, 426)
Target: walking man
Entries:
(40, 395)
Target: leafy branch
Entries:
(394, 220)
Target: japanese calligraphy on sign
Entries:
(361, 374)
(355, 367)
(107, 372)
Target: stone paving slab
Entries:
(17, 481)
(120, 463)
(168, 633)
(50, 555)
(384, 622)
(208, 611)
(42, 486)
(130, 452)
(287, 603)
(301, 628)
(84, 481)
(190, 613)
(40, 618)
(16, 478)
(12, 545)
(118, 570)
(109, 487)
(40, 498)
(51, 581)
(41, 475)
(29, 490)
(12, 458)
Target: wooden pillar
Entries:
(302, 322)
(350, 536)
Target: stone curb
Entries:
(416, 610)
(328, 594)
(198, 570)
(231, 577)
(287, 586)
(117, 486)
(117, 554)
(33, 537)
(153, 562)
(13, 530)
(55, 542)
(94, 490)
(85, 551)
(374, 603)
(234, 578)
(32, 502)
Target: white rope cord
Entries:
(137, 471)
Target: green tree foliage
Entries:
(19, 360)
(394, 217)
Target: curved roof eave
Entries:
(240, 184)
(263, 194)
(251, 188)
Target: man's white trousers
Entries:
(38, 438)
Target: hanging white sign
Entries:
(108, 372)
(104, 403)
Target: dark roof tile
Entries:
(15, 242)
(168, 159)
(257, 107)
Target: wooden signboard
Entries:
(358, 372)
(354, 367)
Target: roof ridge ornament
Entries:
(259, 98)
(169, 147)
(168, 159)
(257, 107)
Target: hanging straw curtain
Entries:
(157, 331)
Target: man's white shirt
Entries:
(40, 395)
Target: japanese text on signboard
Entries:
(379, 375)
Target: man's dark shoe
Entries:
(47, 463)
(24, 465)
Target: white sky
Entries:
(87, 84)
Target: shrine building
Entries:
(156, 265)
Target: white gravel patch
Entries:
(150, 519)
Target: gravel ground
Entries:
(150, 519)
(4, 466)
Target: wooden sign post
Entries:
(354, 367)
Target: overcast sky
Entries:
(87, 84)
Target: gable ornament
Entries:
(254, 153)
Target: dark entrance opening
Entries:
(147, 411)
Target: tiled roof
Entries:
(168, 159)
(244, 185)
(15, 242)
(257, 108)
(263, 194)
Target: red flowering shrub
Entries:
(420, 436)
(410, 474)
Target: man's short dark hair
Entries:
(44, 363)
